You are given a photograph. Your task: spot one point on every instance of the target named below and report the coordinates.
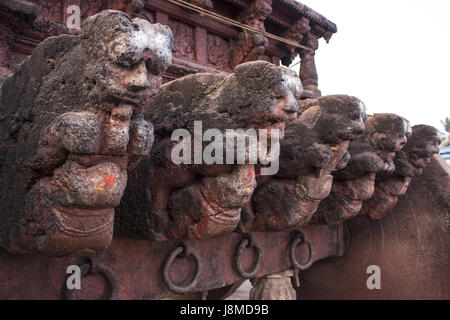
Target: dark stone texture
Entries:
(314, 145)
(199, 201)
(373, 152)
(409, 162)
(71, 123)
(411, 245)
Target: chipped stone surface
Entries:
(409, 162)
(66, 115)
(372, 153)
(196, 201)
(314, 145)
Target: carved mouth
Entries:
(389, 194)
(92, 160)
(352, 206)
(83, 222)
(396, 188)
(136, 99)
(419, 162)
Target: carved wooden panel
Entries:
(184, 39)
(91, 7)
(219, 52)
(50, 8)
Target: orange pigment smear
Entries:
(109, 180)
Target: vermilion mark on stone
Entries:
(109, 180)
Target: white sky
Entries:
(392, 54)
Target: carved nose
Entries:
(433, 149)
(358, 129)
(403, 141)
(138, 79)
(291, 104)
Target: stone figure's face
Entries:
(423, 143)
(282, 88)
(125, 64)
(389, 133)
(285, 106)
(373, 152)
(261, 95)
(352, 193)
(73, 210)
(337, 118)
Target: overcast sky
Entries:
(392, 54)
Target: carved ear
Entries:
(311, 116)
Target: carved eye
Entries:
(123, 53)
(149, 63)
(355, 115)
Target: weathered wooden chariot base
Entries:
(88, 179)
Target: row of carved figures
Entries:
(86, 147)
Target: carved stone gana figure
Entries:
(409, 162)
(194, 201)
(71, 124)
(372, 153)
(250, 46)
(298, 32)
(314, 145)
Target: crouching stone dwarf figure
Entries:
(373, 152)
(196, 199)
(409, 162)
(72, 123)
(314, 145)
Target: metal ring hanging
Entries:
(300, 239)
(94, 266)
(185, 251)
(247, 242)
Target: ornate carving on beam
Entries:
(310, 14)
(250, 46)
(298, 31)
(72, 126)
(184, 46)
(132, 7)
(409, 162)
(314, 145)
(219, 52)
(371, 154)
(21, 30)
